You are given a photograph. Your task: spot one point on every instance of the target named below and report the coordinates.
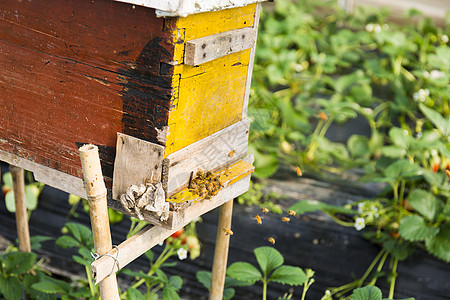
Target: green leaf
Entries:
(176, 282)
(10, 202)
(400, 137)
(366, 293)
(393, 151)
(29, 280)
(7, 179)
(10, 288)
(66, 241)
(52, 286)
(37, 240)
(401, 169)
(81, 233)
(228, 293)
(114, 216)
(134, 294)
(439, 245)
(81, 261)
(268, 259)
(31, 196)
(169, 293)
(244, 271)
(441, 123)
(358, 146)
(204, 277)
(19, 262)
(289, 275)
(413, 228)
(425, 203)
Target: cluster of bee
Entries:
(205, 184)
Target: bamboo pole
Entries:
(221, 252)
(96, 194)
(23, 231)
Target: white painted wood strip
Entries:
(208, 48)
(150, 236)
(49, 176)
(182, 8)
(208, 154)
(250, 64)
(137, 161)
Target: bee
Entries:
(258, 219)
(291, 213)
(285, 220)
(264, 210)
(271, 240)
(231, 153)
(298, 171)
(227, 231)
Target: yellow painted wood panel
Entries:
(227, 176)
(210, 98)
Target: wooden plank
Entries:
(183, 8)
(211, 153)
(208, 23)
(250, 64)
(152, 235)
(185, 198)
(137, 162)
(208, 48)
(61, 66)
(49, 176)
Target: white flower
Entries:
(161, 243)
(426, 74)
(182, 253)
(435, 74)
(359, 224)
(444, 38)
(377, 28)
(421, 95)
(385, 26)
(298, 68)
(369, 27)
(360, 207)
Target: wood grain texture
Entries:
(209, 154)
(78, 72)
(137, 162)
(207, 48)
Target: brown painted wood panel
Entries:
(74, 72)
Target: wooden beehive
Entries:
(160, 87)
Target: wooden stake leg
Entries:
(221, 252)
(21, 208)
(96, 193)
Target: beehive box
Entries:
(161, 87)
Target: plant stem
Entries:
(380, 267)
(91, 283)
(340, 222)
(394, 277)
(264, 288)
